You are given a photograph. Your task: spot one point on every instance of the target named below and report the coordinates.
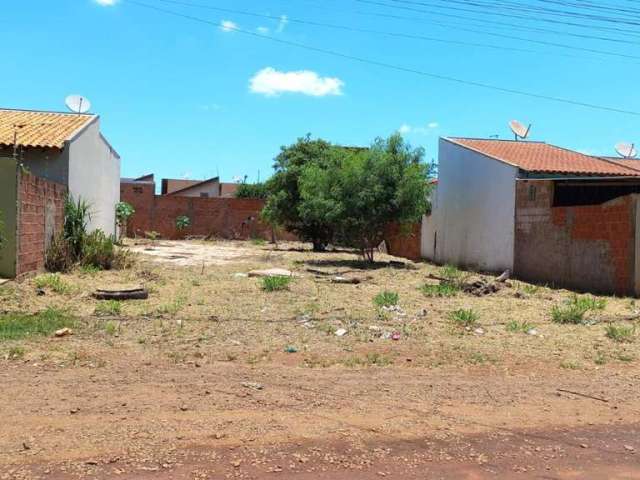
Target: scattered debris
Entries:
(40, 292)
(395, 336)
(291, 349)
(479, 331)
(119, 292)
(341, 332)
(532, 332)
(271, 272)
(629, 448)
(423, 312)
(240, 275)
(253, 385)
(63, 332)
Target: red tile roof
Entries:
(538, 157)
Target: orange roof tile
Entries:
(40, 129)
(538, 157)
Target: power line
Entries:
(408, 35)
(394, 67)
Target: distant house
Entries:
(205, 189)
(228, 190)
(67, 149)
(546, 213)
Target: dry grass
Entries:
(196, 311)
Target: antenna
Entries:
(77, 103)
(626, 150)
(237, 179)
(519, 130)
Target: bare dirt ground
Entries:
(212, 377)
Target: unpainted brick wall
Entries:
(588, 248)
(34, 196)
(231, 218)
(405, 242)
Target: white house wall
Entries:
(94, 176)
(475, 215)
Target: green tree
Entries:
(283, 202)
(124, 211)
(369, 190)
(252, 190)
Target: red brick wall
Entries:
(405, 241)
(588, 248)
(35, 197)
(232, 218)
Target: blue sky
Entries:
(181, 98)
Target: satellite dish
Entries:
(626, 150)
(78, 103)
(519, 130)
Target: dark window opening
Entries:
(204, 194)
(583, 193)
(138, 190)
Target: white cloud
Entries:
(262, 30)
(284, 20)
(228, 26)
(106, 3)
(406, 129)
(271, 82)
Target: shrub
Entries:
(58, 257)
(386, 299)
(98, 250)
(621, 333)
(52, 281)
(464, 318)
(272, 284)
(575, 308)
(440, 290)
(124, 212)
(252, 190)
(17, 326)
(182, 223)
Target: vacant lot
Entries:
(221, 375)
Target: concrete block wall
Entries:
(588, 248)
(40, 216)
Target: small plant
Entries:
(52, 281)
(58, 257)
(173, 307)
(76, 216)
(273, 284)
(98, 250)
(111, 328)
(108, 308)
(182, 223)
(530, 289)
(17, 326)
(515, 326)
(451, 274)
(621, 333)
(464, 318)
(440, 290)
(16, 352)
(575, 308)
(124, 212)
(386, 299)
(258, 241)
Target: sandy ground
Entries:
(200, 381)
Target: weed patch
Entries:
(274, 284)
(386, 299)
(17, 326)
(440, 290)
(575, 308)
(54, 282)
(515, 326)
(464, 318)
(621, 333)
(108, 308)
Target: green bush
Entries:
(386, 299)
(76, 216)
(183, 222)
(98, 250)
(52, 281)
(58, 257)
(252, 190)
(124, 211)
(272, 284)
(515, 326)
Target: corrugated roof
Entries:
(40, 129)
(538, 157)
